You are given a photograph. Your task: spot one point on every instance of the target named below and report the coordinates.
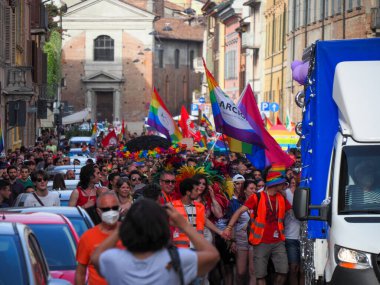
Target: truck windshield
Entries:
(359, 186)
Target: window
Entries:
(161, 58)
(230, 64)
(191, 59)
(176, 58)
(103, 49)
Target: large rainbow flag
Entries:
(228, 118)
(160, 119)
(272, 154)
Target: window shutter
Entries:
(41, 109)
(12, 114)
(21, 115)
(8, 35)
(13, 37)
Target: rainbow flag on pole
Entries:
(1, 139)
(94, 129)
(160, 119)
(228, 118)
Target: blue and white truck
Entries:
(339, 193)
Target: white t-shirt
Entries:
(291, 224)
(51, 199)
(121, 267)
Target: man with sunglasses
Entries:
(167, 183)
(108, 209)
(42, 196)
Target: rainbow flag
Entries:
(239, 146)
(268, 123)
(228, 118)
(203, 141)
(94, 129)
(160, 119)
(206, 122)
(1, 139)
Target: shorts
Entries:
(225, 255)
(242, 240)
(275, 251)
(293, 250)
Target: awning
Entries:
(78, 117)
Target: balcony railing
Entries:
(19, 80)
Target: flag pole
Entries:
(225, 145)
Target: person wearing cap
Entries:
(267, 228)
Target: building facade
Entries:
(107, 60)
(314, 20)
(23, 97)
(275, 66)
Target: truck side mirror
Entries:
(302, 207)
(301, 202)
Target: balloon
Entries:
(295, 64)
(300, 72)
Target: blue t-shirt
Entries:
(121, 267)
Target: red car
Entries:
(57, 238)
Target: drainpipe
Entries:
(344, 20)
(283, 56)
(323, 18)
(306, 18)
(272, 56)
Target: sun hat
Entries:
(238, 178)
(275, 178)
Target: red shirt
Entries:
(271, 221)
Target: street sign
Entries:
(274, 107)
(194, 109)
(264, 106)
(202, 100)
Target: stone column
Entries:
(90, 104)
(116, 104)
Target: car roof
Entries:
(73, 139)
(7, 228)
(62, 210)
(33, 218)
(67, 182)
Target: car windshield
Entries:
(360, 180)
(14, 271)
(79, 225)
(58, 245)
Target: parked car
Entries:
(76, 142)
(23, 259)
(70, 185)
(57, 237)
(77, 151)
(77, 215)
(62, 169)
(64, 196)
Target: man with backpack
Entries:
(267, 228)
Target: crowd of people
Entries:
(177, 218)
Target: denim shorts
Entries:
(293, 250)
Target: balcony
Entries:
(19, 84)
(248, 41)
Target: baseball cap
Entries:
(275, 178)
(238, 178)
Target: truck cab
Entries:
(339, 195)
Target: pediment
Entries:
(106, 10)
(102, 77)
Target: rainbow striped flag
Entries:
(206, 122)
(160, 119)
(203, 141)
(228, 118)
(1, 139)
(94, 130)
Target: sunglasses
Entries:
(41, 179)
(113, 208)
(136, 178)
(168, 181)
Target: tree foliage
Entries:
(52, 48)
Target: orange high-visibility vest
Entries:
(180, 239)
(258, 224)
